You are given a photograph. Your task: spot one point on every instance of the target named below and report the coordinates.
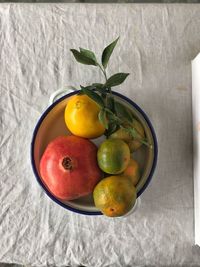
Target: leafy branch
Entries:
(113, 114)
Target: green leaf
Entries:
(112, 116)
(80, 92)
(116, 79)
(98, 85)
(123, 112)
(112, 127)
(94, 96)
(101, 92)
(107, 52)
(88, 54)
(102, 118)
(133, 116)
(111, 103)
(81, 58)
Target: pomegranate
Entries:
(69, 167)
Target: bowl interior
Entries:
(53, 125)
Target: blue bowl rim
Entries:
(33, 143)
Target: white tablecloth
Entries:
(156, 46)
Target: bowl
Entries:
(51, 124)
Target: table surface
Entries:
(157, 44)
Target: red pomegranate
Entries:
(69, 167)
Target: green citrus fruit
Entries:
(114, 196)
(113, 156)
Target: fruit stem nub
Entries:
(67, 163)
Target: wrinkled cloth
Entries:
(157, 44)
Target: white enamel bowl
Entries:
(51, 124)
